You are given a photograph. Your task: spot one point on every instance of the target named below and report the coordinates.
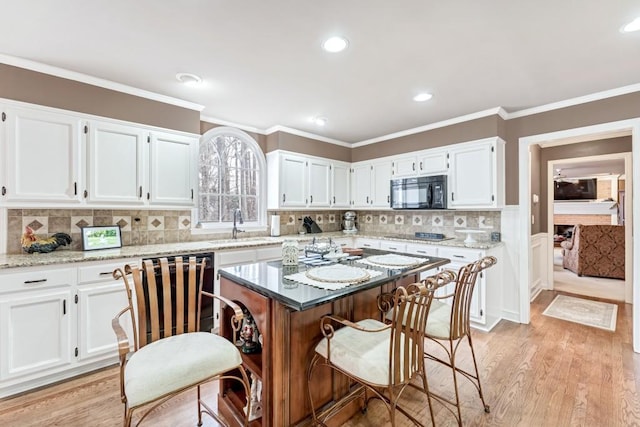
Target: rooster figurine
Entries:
(31, 244)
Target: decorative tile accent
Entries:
(368, 218)
(124, 222)
(399, 219)
(184, 222)
(39, 224)
(319, 218)
(485, 222)
(417, 220)
(437, 221)
(383, 219)
(155, 223)
(459, 221)
(291, 220)
(332, 219)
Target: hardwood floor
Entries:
(548, 373)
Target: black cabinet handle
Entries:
(86, 194)
(75, 188)
(420, 165)
(413, 166)
(140, 193)
(367, 199)
(284, 197)
(106, 273)
(4, 190)
(334, 200)
(28, 282)
(192, 194)
(64, 307)
(311, 199)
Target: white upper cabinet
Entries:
(299, 181)
(370, 184)
(319, 182)
(288, 188)
(172, 169)
(42, 156)
(433, 162)
(54, 158)
(404, 166)
(381, 181)
(116, 164)
(476, 176)
(340, 184)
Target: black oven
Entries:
(423, 192)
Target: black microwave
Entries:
(423, 192)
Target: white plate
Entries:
(338, 273)
(335, 255)
(394, 260)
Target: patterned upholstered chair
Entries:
(595, 250)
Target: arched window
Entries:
(232, 175)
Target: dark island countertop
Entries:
(267, 279)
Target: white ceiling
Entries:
(591, 168)
(263, 64)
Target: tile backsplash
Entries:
(143, 227)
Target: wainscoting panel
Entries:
(539, 264)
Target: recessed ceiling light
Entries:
(189, 79)
(320, 121)
(631, 26)
(421, 97)
(335, 44)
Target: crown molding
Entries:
(220, 122)
(624, 90)
(480, 114)
(96, 81)
(304, 134)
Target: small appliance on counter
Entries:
(349, 223)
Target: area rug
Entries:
(586, 312)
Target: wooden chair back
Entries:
(168, 297)
(463, 293)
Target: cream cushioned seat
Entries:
(438, 320)
(362, 354)
(176, 362)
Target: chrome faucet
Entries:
(237, 219)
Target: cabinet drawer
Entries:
(268, 254)
(367, 243)
(236, 257)
(101, 272)
(460, 255)
(35, 279)
(422, 250)
(393, 246)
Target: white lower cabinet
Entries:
(99, 298)
(486, 302)
(36, 332)
(56, 322)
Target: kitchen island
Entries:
(287, 315)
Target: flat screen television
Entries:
(576, 189)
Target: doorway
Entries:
(607, 173)
(525, 261)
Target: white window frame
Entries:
(261, 223)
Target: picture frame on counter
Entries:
(101, 237)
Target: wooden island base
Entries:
(289, 338)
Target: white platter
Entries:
(338, 273)
(393, 260)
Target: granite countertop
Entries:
(63, 256)
(266, 278)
